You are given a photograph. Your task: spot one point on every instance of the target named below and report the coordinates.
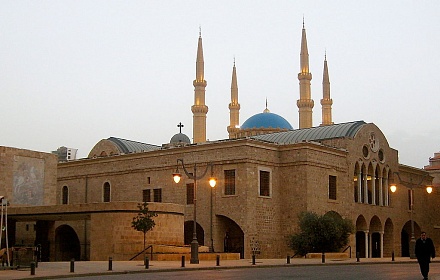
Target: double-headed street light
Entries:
(212, 182)
(411, 186)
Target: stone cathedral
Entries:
(267, 174)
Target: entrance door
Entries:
(360, 244)
(375, 251)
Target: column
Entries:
(367, 242)
(380, 192)
(386, 192)
(373, 189)
(365, 188)
(381, 244)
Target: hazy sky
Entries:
(75, 72)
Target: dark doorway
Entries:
(360, 244)
(375, 251)
(67, 244)
(404, 237)
(233, 236)
(189, 228)
(42, 239)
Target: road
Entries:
(408, 271)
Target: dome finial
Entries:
(266, 110)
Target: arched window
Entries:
(106, 192)
(65, 195)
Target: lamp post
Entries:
(4, 225)
(194, 176)
(411, 186)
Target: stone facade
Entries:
(299, 181)
(297, 177)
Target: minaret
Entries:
(326, 101)
(305, 102)
(234, 107)
(199, 108)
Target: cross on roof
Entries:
(180, 125)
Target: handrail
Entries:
(348, 247)
(151, 253)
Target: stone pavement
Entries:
(56, 270)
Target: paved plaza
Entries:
(54, 270)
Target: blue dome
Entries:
(266, 120)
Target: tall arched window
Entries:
(65, 195)
(106, 192)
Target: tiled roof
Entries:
(313, 134)
(128, 146)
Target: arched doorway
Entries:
(232, 236)
(189, 232)
(361, 231)
(376, 238)
(405, 237)
(67, 244)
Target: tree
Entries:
(319, 234)
(143, 221)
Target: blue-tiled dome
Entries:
(266, 120)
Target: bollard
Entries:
(288, 259)
(32, 268)
(183, 261)
(217, 260)
(110, 263)
(323, 257)
(253, 259)
(72, 265)
(392, 256)
(357, 256)
(147, 263)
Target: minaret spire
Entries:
(305, 103)
(234, 106)
(326, 101)
(199, 108)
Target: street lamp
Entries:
(212, 182)
(411, 186)
(4, 224)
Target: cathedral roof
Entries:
(313, 134)
(266, 120)
(129, 146)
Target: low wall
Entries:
(111, 234)
(327, 256)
